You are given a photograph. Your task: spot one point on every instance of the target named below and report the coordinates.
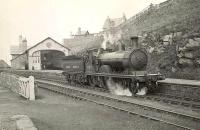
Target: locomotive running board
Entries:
(158, 76)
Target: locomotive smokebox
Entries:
(135, 59)
(138, 59)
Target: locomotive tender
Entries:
(126, 67)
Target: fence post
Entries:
(31, 86)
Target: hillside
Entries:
(171, 32)
(166, 17)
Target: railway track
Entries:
(131, 106)
(158, 97)
(186, 102)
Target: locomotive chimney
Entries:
(134, 42)
(121, 46)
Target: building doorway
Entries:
(49, 59)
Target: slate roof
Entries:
(45, 40)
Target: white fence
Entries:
(20, 85)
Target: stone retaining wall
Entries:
(189, 54)
(183, 91)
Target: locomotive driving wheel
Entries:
(93, 81)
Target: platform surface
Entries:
(181, 82)
(53, 111)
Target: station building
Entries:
(38, 56)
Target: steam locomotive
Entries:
(126, 66)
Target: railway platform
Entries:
(9, 120)
(52, 111)
(181, 88)
(181, 82)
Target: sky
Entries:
(39, 19)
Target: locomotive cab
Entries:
(90, 60)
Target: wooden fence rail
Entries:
(21, 85)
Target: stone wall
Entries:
(176, 55)
(189, 54)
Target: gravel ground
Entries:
(52, 111)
